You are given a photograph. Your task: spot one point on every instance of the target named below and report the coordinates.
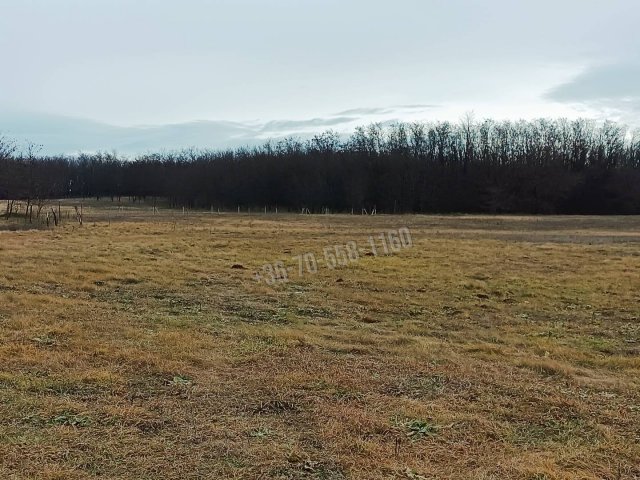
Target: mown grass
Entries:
(496, 347)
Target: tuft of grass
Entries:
(559, 431)
(45, 341)
(420, 386)
(179, 381)
(417, 429)
(260, 432)
(70, 420)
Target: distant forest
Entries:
(541, 166)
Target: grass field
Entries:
(141, 346)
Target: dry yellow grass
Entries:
(496, 347)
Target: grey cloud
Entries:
(61, 134)
(364, 111)
(283, 125)
(605, 82)
(613, 90)
(387, 110)
(414, 107)
(69, 135)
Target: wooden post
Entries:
(55, 219)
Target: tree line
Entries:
(540, 166)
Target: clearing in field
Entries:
(143, 346)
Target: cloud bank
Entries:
(611, 90)
(69, 135)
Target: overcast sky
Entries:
(258, 68)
